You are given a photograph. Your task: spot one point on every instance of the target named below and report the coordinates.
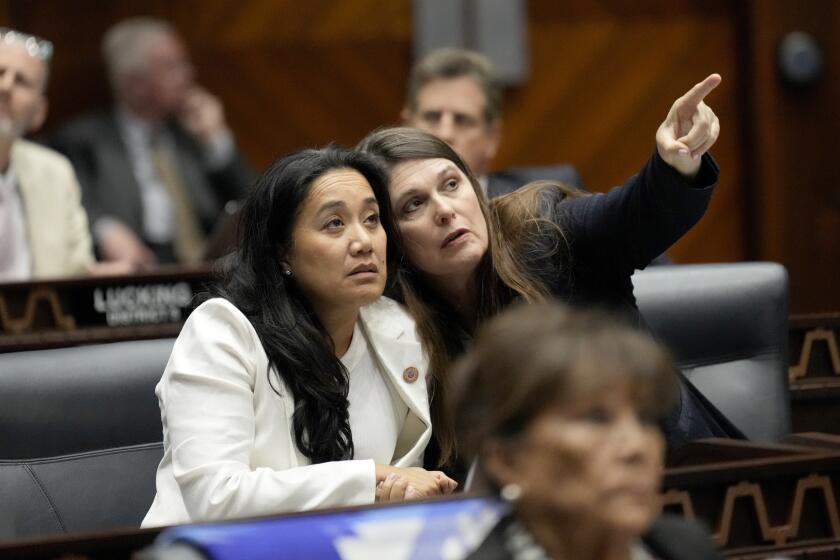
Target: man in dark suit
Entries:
(157, 170)
(454, 94)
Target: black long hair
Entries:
(298, 346)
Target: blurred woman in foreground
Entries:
(558, 407)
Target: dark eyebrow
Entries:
(329, 206)
(449, 168)
(336, 204)
(407, 194)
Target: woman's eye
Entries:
(373, 219)
(335, 223)
(451, 185)
(412, 206)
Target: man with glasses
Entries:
(43, 227)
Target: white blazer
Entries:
(229, 445)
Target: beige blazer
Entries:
(229, 446)
(56, 224)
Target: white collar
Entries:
(135, 128)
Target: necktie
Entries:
(189, 239)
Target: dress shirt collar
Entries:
(136, 130)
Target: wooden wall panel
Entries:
(604, 75)
(294, 74)
(795, 154)
(291, 74)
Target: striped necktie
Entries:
(189, 238)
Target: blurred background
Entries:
(599, 77)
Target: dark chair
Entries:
(80, 438)
(727, 325)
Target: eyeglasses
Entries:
(34, 46)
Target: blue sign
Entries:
(441, 530)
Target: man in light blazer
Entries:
(158, 168)
(454, 94)
(43, 227)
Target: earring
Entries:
(287, 273)
(511, 492)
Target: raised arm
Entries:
(625, 228)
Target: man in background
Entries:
(455, 95)
(43, 227)
(157, 170)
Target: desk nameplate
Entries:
(79, 311)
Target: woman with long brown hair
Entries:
(465, 259)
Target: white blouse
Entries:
(376, 411)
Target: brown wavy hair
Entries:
(505, 273)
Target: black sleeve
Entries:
(627, 227)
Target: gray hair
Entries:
(36, 47)
(124, 45)
(449, 63)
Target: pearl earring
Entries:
(511, 492)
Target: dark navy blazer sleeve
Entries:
(627, 227)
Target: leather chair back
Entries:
(80, 438)
(92, 491)
(727, 325)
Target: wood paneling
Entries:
(291, 74)
(604, 75)
(294, 74)
(795, 153)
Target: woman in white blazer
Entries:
(300, 386)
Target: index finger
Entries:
(696, 94)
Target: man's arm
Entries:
(203, 118)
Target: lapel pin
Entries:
(410, 374)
